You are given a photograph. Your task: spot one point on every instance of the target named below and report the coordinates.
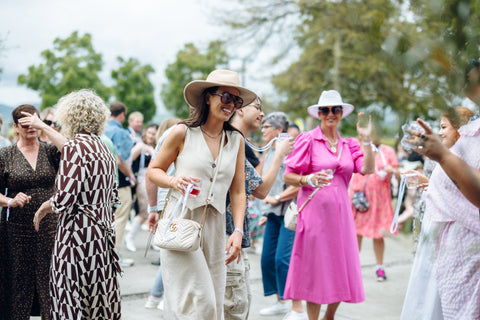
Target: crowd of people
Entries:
(74, 176)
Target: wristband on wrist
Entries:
(239, 230)
(309, 179)
(153, 208)
(8, 208)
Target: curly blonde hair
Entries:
(82, 110)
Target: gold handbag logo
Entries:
(173, 227)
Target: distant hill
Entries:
(6, 113)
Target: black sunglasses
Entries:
(227, 97)
(326, 110)
(50, 122)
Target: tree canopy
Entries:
(72, 64)
(190, 64)
(379, 54)
(133, 87)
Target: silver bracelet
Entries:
(154, 208)
(239, 230)
(309, 180)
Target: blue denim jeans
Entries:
(157, 290)
(277, 248)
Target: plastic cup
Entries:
(329, 173)
(195, 189)
(411, 180)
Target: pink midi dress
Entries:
(375, 222)
(325, 264)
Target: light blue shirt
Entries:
(120, 138)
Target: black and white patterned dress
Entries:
(83, 274)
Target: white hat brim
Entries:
(193, 92)
(313, 110)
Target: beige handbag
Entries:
(178, 233)
(291, 215)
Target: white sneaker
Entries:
(126, 262)
(160, 305)
(130, 244)
(152, 302)
(293, 315)
(276, 308)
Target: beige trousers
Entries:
(238, 295)
(121, 214)
(195, 281)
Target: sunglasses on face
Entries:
(227, 97)
(49, 122)
(266, 126)
(326, 110)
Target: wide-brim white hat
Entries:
(217, 78)
(330, 98)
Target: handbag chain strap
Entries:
(318, 188)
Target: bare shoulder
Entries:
(177, 135)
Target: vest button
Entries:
(211, 179)
(213, 165)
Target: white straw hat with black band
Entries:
(330, 98)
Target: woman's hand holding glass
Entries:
(322, 178)
(284, 147)
(181, 182)
(422, 181)
(427, 143)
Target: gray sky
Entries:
(152, 31)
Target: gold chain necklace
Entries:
(218, 135)
(332, 145)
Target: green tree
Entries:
(191, 64)
(72, 64)
(134, 88)
(379, 54)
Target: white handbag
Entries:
(291, 215)
(178, 233)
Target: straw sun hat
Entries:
(217, 78)
(330, 98)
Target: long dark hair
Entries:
(199, 116)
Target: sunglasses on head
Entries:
(326, 110)
(227, 97)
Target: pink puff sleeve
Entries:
(299, 160)
(356, 152)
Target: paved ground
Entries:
(383, 300)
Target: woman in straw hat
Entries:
(195, 281)
(325, 226)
